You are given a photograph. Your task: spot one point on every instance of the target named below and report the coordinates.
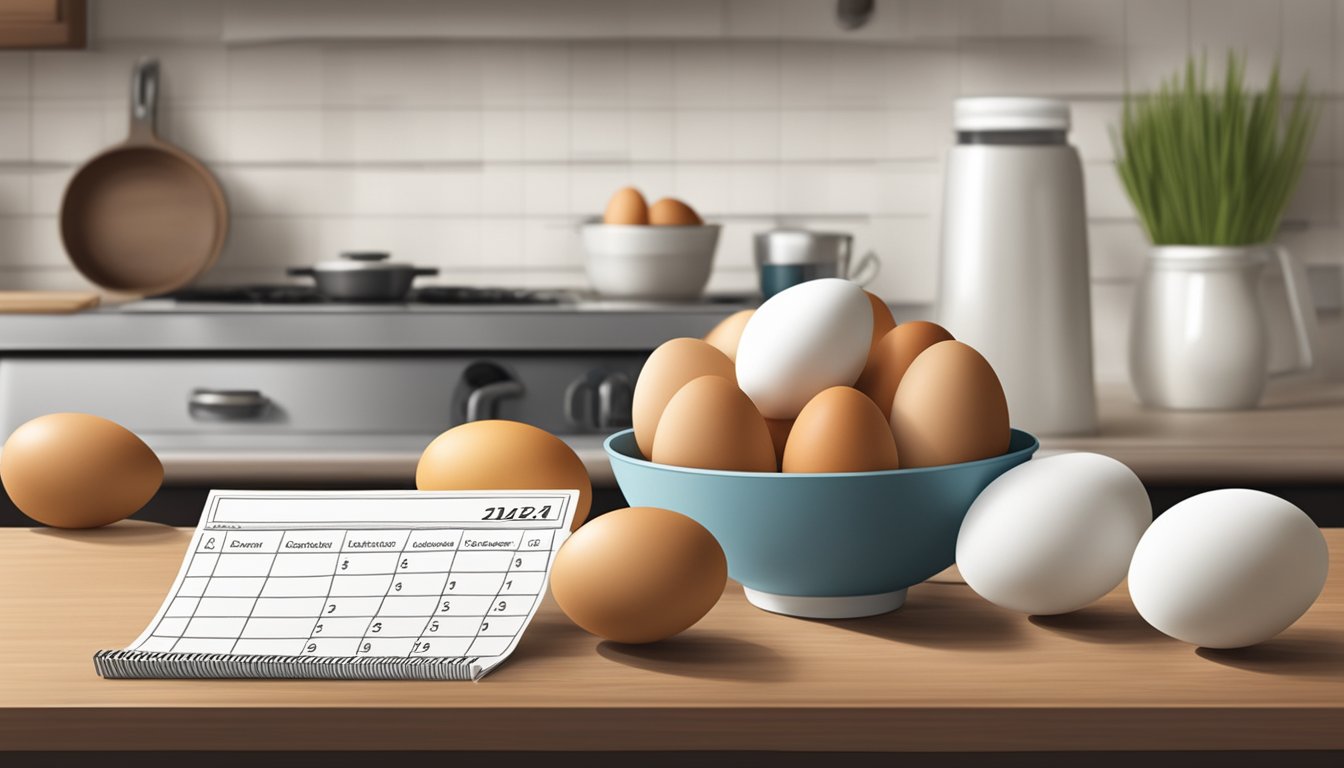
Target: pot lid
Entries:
(362, 261)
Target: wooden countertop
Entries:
(947, 672)
(1296, 436)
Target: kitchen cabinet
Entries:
(43, 23)
(949, 672)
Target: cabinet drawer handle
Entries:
(227, 404)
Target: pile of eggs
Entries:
(819, 378)
(629, 208)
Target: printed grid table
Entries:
(387, 592)
(353, 584)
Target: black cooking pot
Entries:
(363, 276)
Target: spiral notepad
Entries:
(352, 585)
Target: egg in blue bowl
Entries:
(826, 546)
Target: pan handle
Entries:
(301, 272)
(144, 98)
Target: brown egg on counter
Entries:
(626, 207)
(840, 430)
(668, 369)
(638, 575)
(949, 408)
(670, 212)
(711, 424)
(74, 470)
(882, 320)
(728, 332)
(779, 436)
(892, 356)
(503, 455)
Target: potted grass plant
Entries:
(1210, 170)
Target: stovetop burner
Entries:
(300, 294)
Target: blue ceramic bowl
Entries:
(821, 545)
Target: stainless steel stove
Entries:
(272, 384)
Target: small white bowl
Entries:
(647, 262)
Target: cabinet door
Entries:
(42, 23)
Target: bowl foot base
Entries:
(850, 607)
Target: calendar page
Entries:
(359, 584)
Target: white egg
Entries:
(805, 339)
(1054, 534)
(1228, 568)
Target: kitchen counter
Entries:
(585, 324)
(948, 672)
(1296, 436)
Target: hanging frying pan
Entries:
(144, 216)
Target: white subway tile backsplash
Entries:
(1250, 27)
(1157, 41)
(545, 135)
(140, 20)
(15, 132)
(700, 75)
(1116, 249)
(274, 242)
(1093, 122)
(479, 143)
(501, 134)
(275, 135)
(502, 190)
(15, 194)
(599, 135)
(546, 191)
(651, 74)
(1106, 197)
(276, 76)
(597, 75)
(66, 132)
(14, 76)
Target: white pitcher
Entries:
(1199, 335)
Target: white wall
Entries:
(482, 152)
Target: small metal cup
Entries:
(787, 257)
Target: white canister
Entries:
(1014, 281)
(1199, 336)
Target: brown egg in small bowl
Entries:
(824, 545)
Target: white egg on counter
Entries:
(1228, 568)
(813, 336)
(1053, 534)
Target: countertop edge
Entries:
(839, 728)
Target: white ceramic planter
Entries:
(1199, 337)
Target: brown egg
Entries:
(638, 575)
(667, 370)
(627, 207)
(949, 408)
(503, 455)
(891, 357)
(728, 332)
(670, 212)
(73, 470)
(779, 436)
(711, 424)
(882, 320)
(840, 430)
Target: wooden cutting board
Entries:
(46, 302)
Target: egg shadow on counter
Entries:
(1315, 653)
(1104, 624)
(941, 615)
(125, 533)
(707, 655)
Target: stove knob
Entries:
(599, 401)
(488, 384)
(614, 396)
